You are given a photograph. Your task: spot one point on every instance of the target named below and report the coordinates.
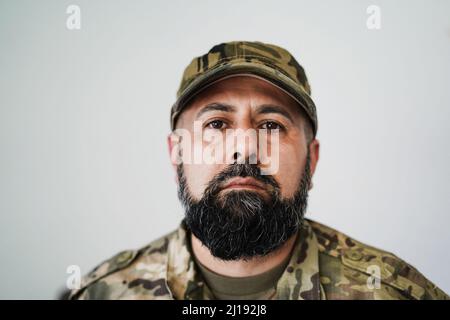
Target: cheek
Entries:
(291, 166)
(198, 172)
(198, 176)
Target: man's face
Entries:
(222, 197)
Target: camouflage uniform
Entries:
(325, 264)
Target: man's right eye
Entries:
(216, 124)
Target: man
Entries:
(244, 235)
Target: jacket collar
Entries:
(300, 280)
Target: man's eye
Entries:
(216, 124)
(270, 125)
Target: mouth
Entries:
(247, 183)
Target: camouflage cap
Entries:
(268, 61)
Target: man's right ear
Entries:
(173, 143)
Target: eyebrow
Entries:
(216, 107)
(271, 108)
(262, 109)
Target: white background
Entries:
(84, 115)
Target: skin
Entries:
(246, 95)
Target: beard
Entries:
(242, 224)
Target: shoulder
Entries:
(114, 277)
(355, 268)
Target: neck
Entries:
(241, 268)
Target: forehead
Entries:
(240, 91)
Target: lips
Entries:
(244, 183)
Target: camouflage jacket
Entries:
(325, 264)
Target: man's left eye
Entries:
(270, 125)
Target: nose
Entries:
(238, 158)
(243, 147)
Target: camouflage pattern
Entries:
(268, 61)
(325, 264)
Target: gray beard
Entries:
(241, 224)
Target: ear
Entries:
(314, 150)
(173, 144)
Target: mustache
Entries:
(240, 170)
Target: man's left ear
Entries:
(314, 148)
